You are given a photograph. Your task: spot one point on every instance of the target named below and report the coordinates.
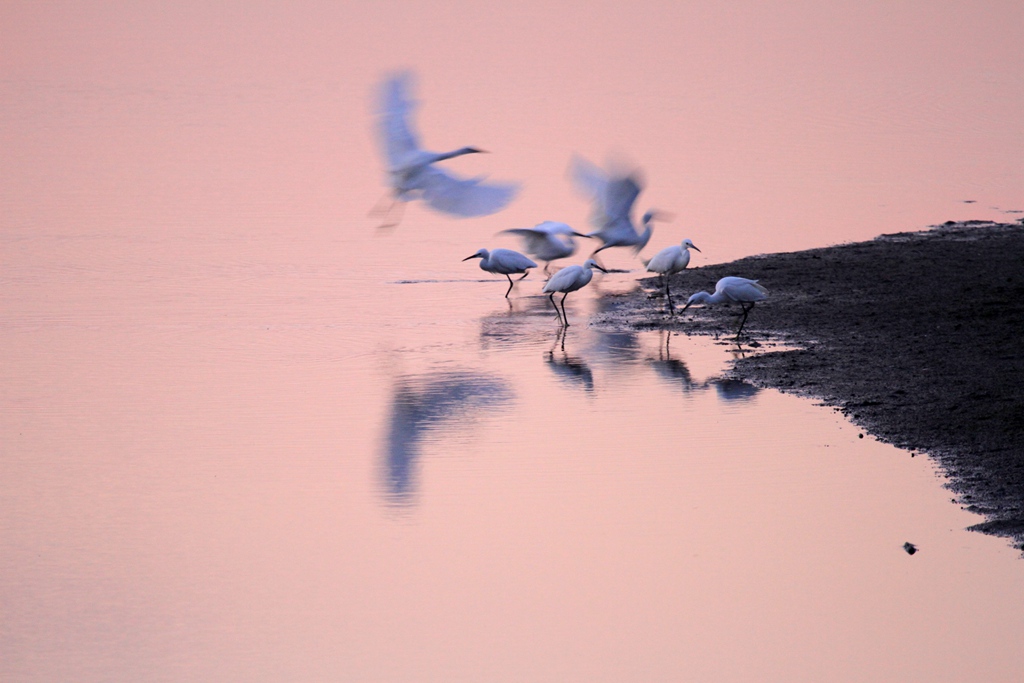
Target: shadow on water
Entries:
(572, 370)
(421, 404)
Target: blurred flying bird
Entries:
(671, 260)
(412, 170)
(547, 241)
(567, 280)
(732, 289)
(505, 262)
(612, 195)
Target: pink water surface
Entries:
(243, 436)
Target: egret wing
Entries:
(464, 197)
(590, 180)
(620, 195)
(397, 138)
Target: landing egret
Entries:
(567, 280)
(412, 173)
(613, 194)
(547, 241)
(504, 261)
(671, 260)
(732, 289)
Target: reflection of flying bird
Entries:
(547, 241)
(505, 262)
(732, 289)
(422, 403)
(612, 195)
(671, 260)
(412, 172)
(569, 280)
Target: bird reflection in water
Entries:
(422, 404)
(735, 390)
(672, 370)
(572, 370)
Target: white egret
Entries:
(613, 195)
(567, 280)
(671, 260)
(732, 289)
(412, 172)
(547, 241)
(505, 262)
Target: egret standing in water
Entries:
(732, 289)
(613, 194)
(671, 260)
(412, 172)
(504, 261)
(567, 280)
(548, 241)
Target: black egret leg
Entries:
(565, 318)
(746, 312)
(557, 314)
(509, 285)
(525, 273)
(668, 296)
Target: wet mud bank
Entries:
(916, 337)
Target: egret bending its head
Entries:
(505, 262)
(412, 172)
(732, 289)
(671, 260)
(569, 280)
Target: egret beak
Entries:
(473, 256)
(579, 234)
(600, 268)
(694, 247)
(684, 307)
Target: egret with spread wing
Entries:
(412, 170)
(547, 241)
(612, 194)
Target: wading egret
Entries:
(567, 280)
(412, 173)
(671, 260)
(547, 241)
(612, 194)
(505, 262)
(732, 289)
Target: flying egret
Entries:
(732, 289)
(412, 172)
(547, 241)
(504, 261)
(671, 260)
(567, 280)
(613, 194)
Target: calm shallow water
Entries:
(246, 438)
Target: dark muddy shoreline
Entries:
(915, 336)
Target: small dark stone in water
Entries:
(755, 344)
(910, 548)
(860, 436)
